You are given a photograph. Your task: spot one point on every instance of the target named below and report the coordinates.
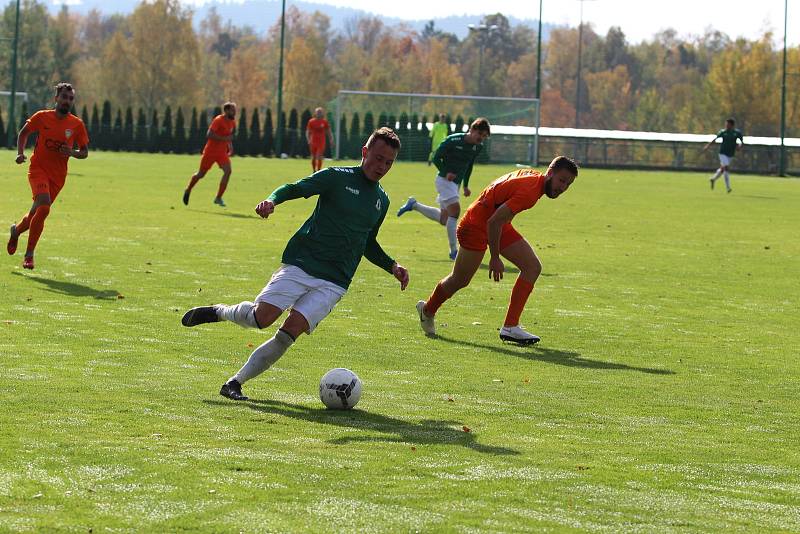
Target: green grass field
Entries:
(663, 396)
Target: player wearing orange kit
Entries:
(218, 149)
(59, 133)
(487, 223)
(316, 130)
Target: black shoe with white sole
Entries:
(233, 390)
(201, 315)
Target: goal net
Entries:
(515, 123)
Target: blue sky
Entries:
(639, 19)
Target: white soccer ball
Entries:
(340, 389)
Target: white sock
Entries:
(716, 174)
(243, 314)
(264, 356)
(452, 224)
(428, 211)
(727, 179)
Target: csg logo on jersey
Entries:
(54, 144)
(68, 133)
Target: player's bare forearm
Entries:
(214, 137)
(22, 141)
(494, 230)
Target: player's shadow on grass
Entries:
(398, 430)
(558, 357)
(72, 289)
(229, 214)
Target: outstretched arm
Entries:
(315, 184)
(710, 143)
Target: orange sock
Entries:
(435, 301)
(24, 224)
(519, 296)
(37, 226)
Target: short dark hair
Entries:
(63, 86)
(730, 120)
(228, 105)
(386, 135)
(481, 124)
(563, 162)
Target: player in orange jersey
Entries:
(218, 149)
(316, 130)
(59, 133)
(487, 223)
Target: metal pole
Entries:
(12, 120)
(279, 135)
(338, 125)
(782, 166)
(480, 68)
(539, 55)
(578, 85)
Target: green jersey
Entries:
(457, 156)
(729, 137)
(438, 133)
(343, 227)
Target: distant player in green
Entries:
(321, 257)
(726, 151)
(439, 131)
(454, 159)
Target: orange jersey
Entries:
(54, 133)
(519, 190)
(223, 127)
(317, 128)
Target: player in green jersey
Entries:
(439, 131)
(454, 159)
(321, 257)
(727, 150)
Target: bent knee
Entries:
(531, 271)
(266, 314)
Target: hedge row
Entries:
(167, 132)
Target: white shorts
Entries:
(448, 192)
(725, 160)
(291, 287)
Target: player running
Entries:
(727, 150)
(439, 132)
(316, 130)
(454, 159)
(218, 149)
(59, 132)
(487, 222)
(320, 259)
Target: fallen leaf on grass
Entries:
(466, 429)
(120, 297)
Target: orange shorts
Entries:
(474, 237)
(211, 158)
(317, 148)
(42, 183)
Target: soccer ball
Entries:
(340, 389)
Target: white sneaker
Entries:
(427, 323)
(517, 334)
